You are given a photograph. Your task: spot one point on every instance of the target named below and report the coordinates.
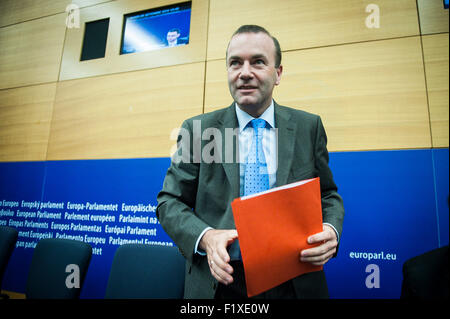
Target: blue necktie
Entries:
(256, 177)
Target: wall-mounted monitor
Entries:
(156, 28)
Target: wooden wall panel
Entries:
(127, 115)
(370, 95)
(306, 24)
(87, 3)
(30, 52)
(25, 115)
(433, 16)
(113, 62)
(217, 94)
(436, 53)
(374, 90)
(16, 11)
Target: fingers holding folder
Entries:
(319, 255)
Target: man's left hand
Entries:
(319, 255)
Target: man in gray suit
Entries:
(194, 204)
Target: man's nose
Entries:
(246, 72)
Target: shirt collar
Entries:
(244, 118)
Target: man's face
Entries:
(251, 70)
(172, 36)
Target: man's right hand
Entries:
(215, 243)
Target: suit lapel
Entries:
(231, 167)
(285, 144)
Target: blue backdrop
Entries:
(395, 201)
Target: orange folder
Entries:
(273, 227)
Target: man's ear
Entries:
(279, 71)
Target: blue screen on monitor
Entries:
(156, 28)
(446, 4)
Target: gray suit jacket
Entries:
(196, 194)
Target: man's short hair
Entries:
(174, 30)
(252, 28)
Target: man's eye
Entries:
(234, 63)
(259, 61)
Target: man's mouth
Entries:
(246, 88)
